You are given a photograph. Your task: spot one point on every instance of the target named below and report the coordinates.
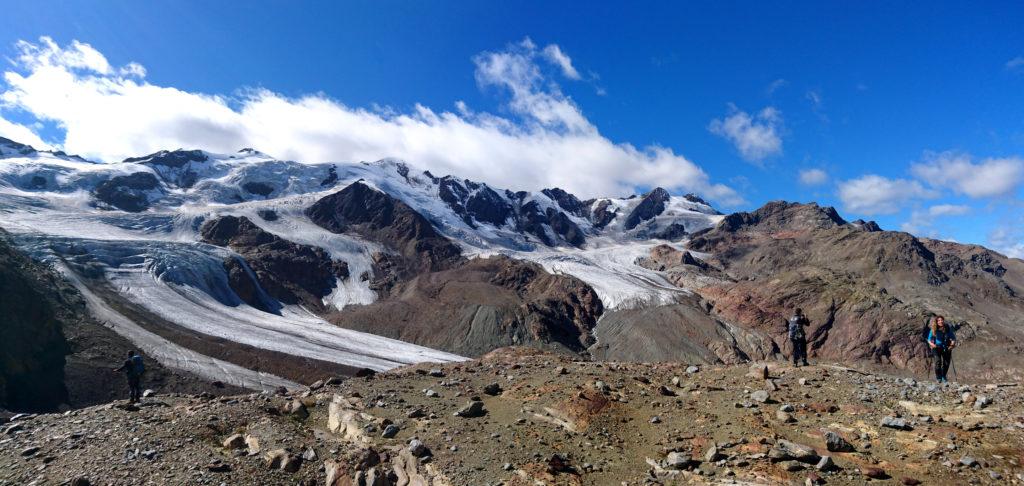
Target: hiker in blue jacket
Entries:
(133, 369)
(942, 341)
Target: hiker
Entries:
(797, 337)
(942, 341)
(133, 369)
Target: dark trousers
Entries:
(134, 388)
(799, 349)
(943, 356)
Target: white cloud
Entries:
(988, 178)
(873, 194)
(813, 177)
(948, 210)
(775, 85)
(112, 113)
(1017, 62)
(554, 54)
(923, 222)
(21, 134)
(755, 137)
(1007, 241)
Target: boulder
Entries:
(836, 443)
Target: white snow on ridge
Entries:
(610, 270)
(154, 258)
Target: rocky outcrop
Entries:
(287, 271)
(867, 292)
(127, 193)
(652, 205)
(483, 304)
(682, 268)
(378, 217)
(33, 347)
(174, 167)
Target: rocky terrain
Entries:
(520, 417)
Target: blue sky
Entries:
(909, 115)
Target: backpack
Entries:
(140, 367)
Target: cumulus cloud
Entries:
(1008, 241)
(813, 177)
(554, 54)
(873, 194)
(111, 113)
(957, 172)
(949, 210)
(21, 134)
(923, 222)
(756, 137)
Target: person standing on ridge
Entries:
(798, 338)
(942, 341)
(133, 369)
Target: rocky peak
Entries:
(384, 219)
(565, 200)
(782, 215)
(10, 147)
(176, 158)
(652, 205)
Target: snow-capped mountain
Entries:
(146, 236)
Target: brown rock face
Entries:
(483, 304)
(380, 218)
(289, 272)
(866, 292)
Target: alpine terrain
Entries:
(290, 289)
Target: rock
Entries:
(825, 464)
(802, 381)
(786, 450)
(431, 393)
(390, 431)
(148, 393)
(792, 466)
(969, 461)
(316, 385)
(472, 409)
(760, 396)
(492, 389)
(713, 454)
(416, 413)
(436, 373)
(784, 417)
(875, 473)
(908, 481)
(275, 458)
(337, 474)
(602, 386)
(692, 369)
(982, 402)
(759, 371)
(896, 423)
(252, 444)
(296, 409)
(558, 463)
(836, 443)
(309, 454)
(665, 391)
(218, 466)
(80, 481)
(234, 441)
(677, 461)
(786, 408)
(418, 448)
(29, 451)
(771, 385)
(561, 370)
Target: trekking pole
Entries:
(952, 364)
